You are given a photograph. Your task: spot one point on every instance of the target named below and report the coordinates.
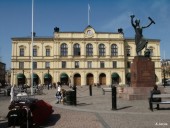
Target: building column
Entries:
(70, 50)
(96, 77)
(107, 49)
(57, 51)
(122, 77)
(108, 81)
(55, 76)
(83, 78)
(95, 50)
(83, 50)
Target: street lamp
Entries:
(24, 77)
(164, 71)
(12, 76)
(48, 77)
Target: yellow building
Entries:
(78, 58)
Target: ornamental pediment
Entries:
(89, 32)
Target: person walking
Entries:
(12, 93)
(58, 94)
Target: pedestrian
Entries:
(58, 94)
(12, 93)
(151, 99)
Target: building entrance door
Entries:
(102, 79)
(77, 80)
(90, 79)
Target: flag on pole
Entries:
(89, 14)
(88, 7)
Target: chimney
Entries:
(34, 34)
(120, 30)
(56, 29)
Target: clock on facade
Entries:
(89, 32)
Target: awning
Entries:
(35, 76)
(20, 76)
(47, 76)
(115, 76)
(64, 75)
(128, 76)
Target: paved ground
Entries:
(95, 112)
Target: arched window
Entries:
(114, 50)
(21, 52)
(89, 50)
(151, 51)
(101, 50)
(34, 51)
(64, 50)
(76, 49)
(128, 51)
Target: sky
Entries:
(72, 15)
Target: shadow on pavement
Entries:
(3, 124)
(124, 107)
(52, 120)
(164, 108)
(83, 104)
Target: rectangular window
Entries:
(89, 64)
(47, 64)
(21, 65)
(21, 51)
(102, 64)
(114, 64)
(151, 52)
(63, 64)
(76, 64)
(34, 65)
(34, 52)
(128, 52)
(47, 52)
(128, 64)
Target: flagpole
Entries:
(88, 14)
(32, 41)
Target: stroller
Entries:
(26, 113)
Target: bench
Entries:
(106, 90)
(3, 92)
(165, 96)
(22, 95)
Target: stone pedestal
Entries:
(142, 79)
(142, 72)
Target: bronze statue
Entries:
(139, 40)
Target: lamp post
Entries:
(48, 77)
(12, 76)
(70, 81)
(164, 71)
(24, 77)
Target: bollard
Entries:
(75, 95)
(114, 100)
(90, 90)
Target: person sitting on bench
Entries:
(151, 99)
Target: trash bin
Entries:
(70, 97)
(8, 91)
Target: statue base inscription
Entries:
(142, 72)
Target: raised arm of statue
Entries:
(151, 22)
(132, 17)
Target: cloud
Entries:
(161, 8)
(121, 21)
